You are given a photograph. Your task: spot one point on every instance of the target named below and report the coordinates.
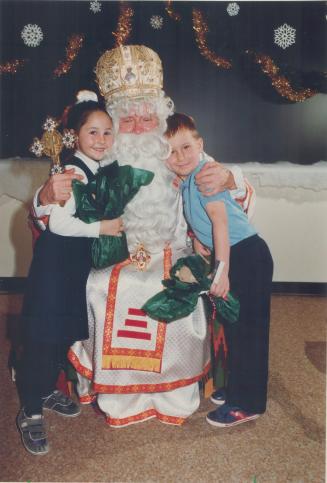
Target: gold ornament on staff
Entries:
(201, 29)
(278, 81)
(52, 143)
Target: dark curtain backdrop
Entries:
(238, 112)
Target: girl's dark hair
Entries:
(179, 121)
(75, 116)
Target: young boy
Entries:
(220, 225)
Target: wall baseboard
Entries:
(17, 285)
(300, 288)
(12, 284)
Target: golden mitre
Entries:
(129, 71)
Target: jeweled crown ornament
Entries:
(129, 71)
(52, 143)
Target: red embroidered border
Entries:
(132, 388)
(150, 413)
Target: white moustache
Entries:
(129, 148)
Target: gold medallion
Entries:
(140, 258)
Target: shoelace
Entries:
(62, 398)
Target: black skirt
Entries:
(54, 307)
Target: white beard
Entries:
(150, 218)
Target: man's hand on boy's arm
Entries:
(214, 178)
(58, 188)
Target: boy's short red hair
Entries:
(179, 121)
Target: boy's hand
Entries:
(111, 227)
(58, 187)
(221, 288)
(200, 249)
(214, 178)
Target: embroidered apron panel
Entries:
(131, 339)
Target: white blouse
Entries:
(62, 220)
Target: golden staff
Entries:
(52, 143)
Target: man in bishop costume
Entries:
(136, 367)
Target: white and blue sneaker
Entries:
(226, 416)
(33, 433)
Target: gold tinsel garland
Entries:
(169, 9)
(201, 29)
(75, 43)
(11, 66)
(124, 26)
(279, 82)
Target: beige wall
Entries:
(297, 236)
(19, 179)
(290, 216)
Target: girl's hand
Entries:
(221, 288)
(200, 249)
(111, 227)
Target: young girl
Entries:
(220, 225)
(54, 309)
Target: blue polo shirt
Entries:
(195, 203)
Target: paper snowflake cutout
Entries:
(37, 147)
(233, 8)
(95, 6)
(50, 124)
(32, 35)
(68, 139)
(284, 36)
(156, 22)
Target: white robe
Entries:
(136, 367)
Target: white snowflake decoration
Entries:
(56, 169)
(68, 139)
(95, 6)
(233, 8)
(32, 35)
(37, 147)
(284, 36)
(50, 124)
(156, 22)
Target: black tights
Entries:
(37, 373)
